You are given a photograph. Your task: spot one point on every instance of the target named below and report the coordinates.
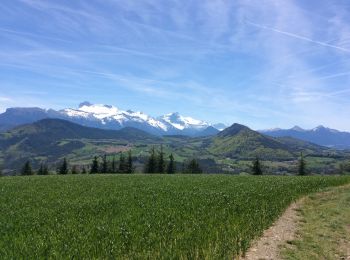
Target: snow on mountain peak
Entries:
(112, 117)
(297, 128)
(85, 103)
(99, 111)
(182, 122)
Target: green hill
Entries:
(50, 140)
(239, 141)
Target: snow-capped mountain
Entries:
(319, 135)
(178, 124)
(110, 117)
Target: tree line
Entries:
(257, 167)
(155, 162)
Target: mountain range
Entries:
(110, 117)
(319, 135)
(231, 150)
(113, 118)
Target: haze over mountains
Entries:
(319, 135)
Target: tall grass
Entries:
(142, 216)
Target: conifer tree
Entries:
(104, 166)
(151, 165)
(301, 165)
(63, 168)
(83, 171)
(94, 166)
(122, 168)
(27, 169)
(129, 163)
(75, 170)
(256, 167)
(114, 165)
(40, 171)
(43, 170)
(183, 167)
(160, 161)
(193, 167)
(171, 165)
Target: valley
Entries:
(230, 151)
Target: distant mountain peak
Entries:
(183, 122)
(220, 126)
(320, 135)
(85, 103)
(319, 127)
(297, 128)
(233, 130)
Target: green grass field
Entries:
(142, 216)
(324, 229)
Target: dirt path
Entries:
(282, 231)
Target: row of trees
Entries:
(156, 163)
(257, 168)
(27, 169)
(124, 165)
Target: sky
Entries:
(262, 63)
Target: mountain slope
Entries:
(53, 138)
(239, 141)
(13, 117)
(50, 140)
(319, 135)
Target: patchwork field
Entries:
(143, 216)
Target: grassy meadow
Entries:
(143, 216)
(324, 229)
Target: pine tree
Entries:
(301, 165)
(183, 167)
(63, 168)
(104, 166)
(114, 165)
(27, 169)
(40, 171)
(151, 165)
(256, 167)
(129, 163)
(43, 170)
(83, 171)
(94, 165)
(122, 168)
(193, 167)
(160, 161)
(171, 165)
(75, 170)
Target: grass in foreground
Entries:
(325, 228)
(143, 216)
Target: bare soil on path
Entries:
(282, 231)
(315, 227)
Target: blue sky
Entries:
(263, 63)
